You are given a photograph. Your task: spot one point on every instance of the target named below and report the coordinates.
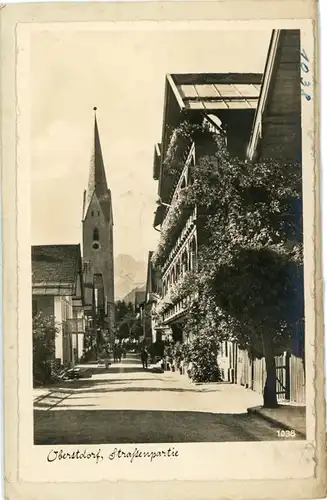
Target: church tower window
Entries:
(95, 244)
(95, 234)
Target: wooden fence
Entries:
(290, 375)
(297, 380)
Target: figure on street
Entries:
(144, 357)
(119, 353)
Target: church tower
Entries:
(97, 226)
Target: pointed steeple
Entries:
(97, 184)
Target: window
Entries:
(92, 213)
(98, 213)
(95, 234)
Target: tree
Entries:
(127, 322)
(253, 256)
(122, 309)
(203, 358)
(44, 334)
(125, 326)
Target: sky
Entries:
(123, 74)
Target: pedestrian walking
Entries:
(119, 353)
(106, 357)
(144, 358)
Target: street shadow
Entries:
(90, 382)
(128, 361)
(69, 386)
(47, 406)
(121, 369)
(143, 389)
(86, 427)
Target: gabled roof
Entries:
(210, 91)
(55, 265)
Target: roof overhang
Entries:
(201, 98)
(265, 89)
(57, 289)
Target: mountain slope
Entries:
(129, 274)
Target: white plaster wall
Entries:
(58, 320)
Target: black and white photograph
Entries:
(167, 265)
(162, 249)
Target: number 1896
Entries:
(286, 434)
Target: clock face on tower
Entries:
(95, 245)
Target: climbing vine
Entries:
(249, 283)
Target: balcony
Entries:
(174, 303)
(182, 182)
(75, 325)
(182, 239)
(175, 311)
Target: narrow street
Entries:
(127, 404)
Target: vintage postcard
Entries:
(161, 242)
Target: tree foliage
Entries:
(127, 321)
(44, 334)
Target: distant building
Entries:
(139, 299)
(135, 296)
(57, 290)
(154, 330)
(98, 259)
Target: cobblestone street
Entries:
(127, 404)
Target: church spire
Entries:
(97, 176)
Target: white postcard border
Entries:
(207, 461)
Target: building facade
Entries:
(57, 291)
(224, 104)
(98, 260)
(155, 332)
(257, 116)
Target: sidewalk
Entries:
(290, 416)
(40, 393)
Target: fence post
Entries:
(287, 377)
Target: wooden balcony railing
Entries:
(187, 228)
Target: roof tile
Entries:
(55, 263)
